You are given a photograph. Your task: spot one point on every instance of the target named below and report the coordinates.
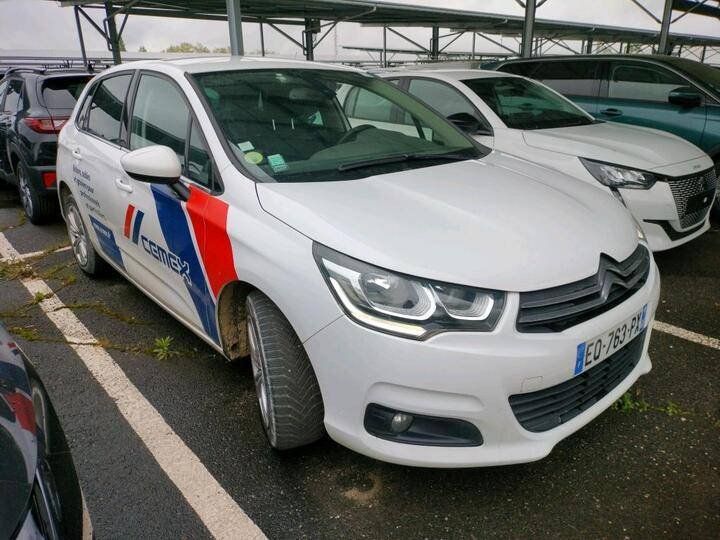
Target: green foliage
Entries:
(186, 47)
(162, 350)
(142, 49)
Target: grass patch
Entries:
(27, 333)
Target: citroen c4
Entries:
(421, 299)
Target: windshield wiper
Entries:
(399, 158)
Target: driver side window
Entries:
(642, 82)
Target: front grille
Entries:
(558, 308)
(546, 409)
(685, 192)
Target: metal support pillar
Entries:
(528, 29)
(312, 27)
(702, 55)
(473, 46)
(112, 34)
(235, 23)
(384, 51)
(262, 40)
(588, 46)
(435, 43)
(665, 27)
(627, 48)
(81, 38)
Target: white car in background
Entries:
(424, 300)
(667, 183)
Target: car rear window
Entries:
(63, 92)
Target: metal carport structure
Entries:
(318, 17)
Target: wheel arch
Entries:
(231, 318)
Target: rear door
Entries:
(11, 104)
(637, 93)
(4, 161)
(95, 145)
(578, 80)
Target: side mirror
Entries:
(685, 97)
(468, 123)
(152, 164)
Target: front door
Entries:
(637, 94)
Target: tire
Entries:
(291, 406)
(85, 255)
(38, 208)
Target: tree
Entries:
(222, 50)
(186, 47)
(142, 49)
(121, 44)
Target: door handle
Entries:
(611, 112)
(122, 185)
(76, 153)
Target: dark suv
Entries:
(34, 105)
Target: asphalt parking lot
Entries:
(649, 467)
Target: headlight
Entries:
(404, 305)
(616, 176)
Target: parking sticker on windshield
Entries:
(254, 157)
(277, 163)
(245, 146)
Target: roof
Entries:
(454, 74)
(229, 63)
(370, 12)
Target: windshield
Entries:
(308, 125)
(523, 104)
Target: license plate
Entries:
(594, 351)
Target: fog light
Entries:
(410, 428)
(400, 422)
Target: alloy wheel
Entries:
(257, 361)
(78, 238)
(24, 190)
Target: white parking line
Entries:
(687, 334)
(22, 256)
(217, 510)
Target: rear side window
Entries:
(160, 116)
(572, 78)
(13, 99)
(104, 117)
(63, 92)
(642, 82)
(441, 97)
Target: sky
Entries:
(43, 25)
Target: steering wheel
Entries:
(354, 132)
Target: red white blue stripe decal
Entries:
(208, 219)
(133, 219)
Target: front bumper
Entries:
(658, 213)
(462, 375)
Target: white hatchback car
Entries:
(666, 182)
(423, 300)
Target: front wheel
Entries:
(291, 406)
(85, 255)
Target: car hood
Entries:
(632, 146)
(500, 222)
(18, 442)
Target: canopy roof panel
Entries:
(368, 12)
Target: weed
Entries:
(25, 332)
(162, 350)
(628, 403)
(40, 296)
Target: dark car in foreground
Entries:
(40, 497)
(673, 94)
(34, 106)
